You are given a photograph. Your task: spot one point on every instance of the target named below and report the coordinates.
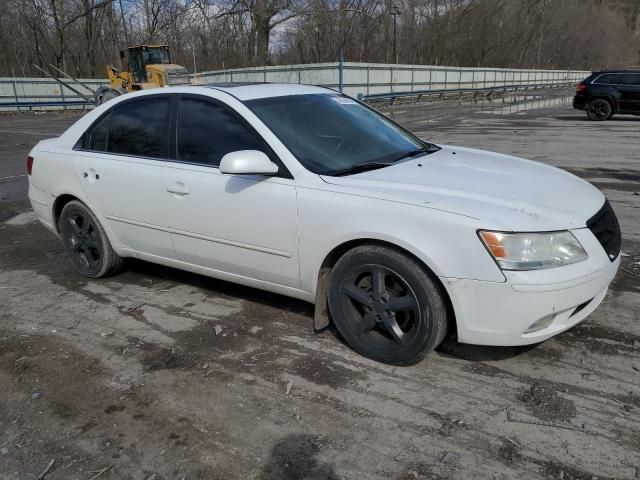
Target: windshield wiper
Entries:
(417, 151)
(365, 166)
(359, 167)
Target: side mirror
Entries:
(247, 162)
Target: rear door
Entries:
(121, 165)
(240, 225)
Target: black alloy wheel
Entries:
(599, 110)
(386, 306)
(86, 242)
(384, 309)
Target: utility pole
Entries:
(395, 11)
(341, 71)
(193, 51)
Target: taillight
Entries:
(29, 164)
(581, 87)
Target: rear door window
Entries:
(96, 138)
(140, 128)
(208, 131)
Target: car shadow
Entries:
(136, 268)
(583, 118)
(481, 353)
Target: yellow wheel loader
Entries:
(149, 67)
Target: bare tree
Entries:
(82, 36)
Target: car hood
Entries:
(501, 191)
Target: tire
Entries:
(599, 110)
(107, 95)
(386, 306)
(97, 98)
(86, 243)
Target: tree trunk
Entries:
(58, 21)
(261, 28)
(89, 53)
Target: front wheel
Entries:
(599, 110)
(386, 306)
(86, 243)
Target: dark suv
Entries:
(606, 93)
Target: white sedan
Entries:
(308, 193)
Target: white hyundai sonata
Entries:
(305, 192)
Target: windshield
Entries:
(330, 134)
(155, 56)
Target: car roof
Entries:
(619, 70)
(252, 91)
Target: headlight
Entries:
(533, 251)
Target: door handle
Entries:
(177, 189)
(91, 175)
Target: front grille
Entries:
(604, 225)
(178, 77)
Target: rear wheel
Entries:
(386, 306)
(86, 242)
(599, 110)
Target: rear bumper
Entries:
(579, 102)
(42, 204)
(531, 307)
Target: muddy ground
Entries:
(159, 374)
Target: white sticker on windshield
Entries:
(344, 101)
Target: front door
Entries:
(241, 225)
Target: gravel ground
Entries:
(160, 374)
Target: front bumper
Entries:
(532, 306)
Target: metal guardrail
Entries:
(370, 81)
(20, 94)
(59, 103)
(393, 96)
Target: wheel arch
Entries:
(64, 198)
(611, 98)
(58, 205)
(321, 315)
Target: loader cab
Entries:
(143, 55)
